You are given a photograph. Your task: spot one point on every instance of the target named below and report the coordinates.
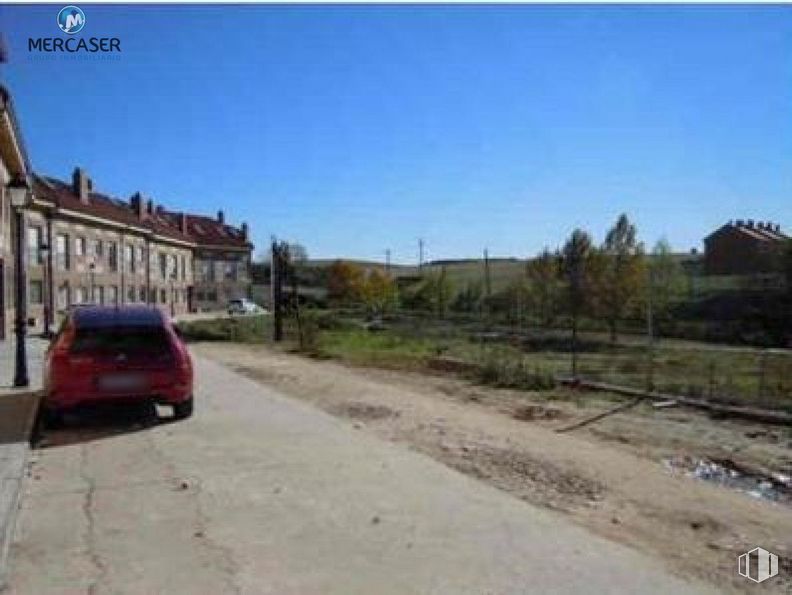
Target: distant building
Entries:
(744, 247)
(105, 250)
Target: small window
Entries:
(64, 296)
(98, 248)
(163, 296)
(34, 246)
(63, 260)
(79, 247)
(36, 293)
(131, 294)
(112, 295)
(112, 256)
(129, 258)
(80, 295)
(143, 295)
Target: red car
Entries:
(113, 354)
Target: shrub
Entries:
(504, 370)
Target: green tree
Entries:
(469, 298)
(344, 282)
(378, 292)
(621, 282)
(665, 282)
(576, 258)
(543, 273)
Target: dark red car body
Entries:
(113, 354)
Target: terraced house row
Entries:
(84, 246)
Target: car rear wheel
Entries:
(52, 419)
(184, 409)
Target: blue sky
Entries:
(353, 129)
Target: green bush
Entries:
(504, 370)
(243, 329)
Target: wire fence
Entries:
(729, 374)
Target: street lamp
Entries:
(19, 190)
(44, 251)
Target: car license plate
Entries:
(116, 382)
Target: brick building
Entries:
(83, 246)
(744, 248)
(14, 165)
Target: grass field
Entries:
(527, 360)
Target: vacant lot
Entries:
(625, 477)
(523, 358)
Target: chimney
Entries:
(138, 205)
(245, 231)
(82, 185)
(220, 216)
(183, 222)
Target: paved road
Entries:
(261, 494)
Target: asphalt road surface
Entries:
(258, 493)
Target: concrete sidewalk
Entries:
(258, 493)
(17, 414)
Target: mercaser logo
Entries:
(71, 19)
(757, 565)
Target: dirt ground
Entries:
(612, 476)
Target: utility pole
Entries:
(420, 253)
(487, 286)
(387, 262)
(650, 332)
(487, 280)
(276, 285)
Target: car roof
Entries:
(108, 316)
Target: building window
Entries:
(98, 294)
(112, 256)
(183, 261)
(34, 246)
(163, 266)
(80, 295)
(139, 255)
(142, 295)
(207, 270)
(36, 293)
(98, 249)
(63, 296)
(62, 252)
(229, 273)
(79, 247)
(163, 296)
(129, 258)
(131, 294)
(112, 295)
(152, 296)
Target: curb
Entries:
(14, 457)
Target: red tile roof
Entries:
(200, 230)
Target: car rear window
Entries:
(129, 340)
